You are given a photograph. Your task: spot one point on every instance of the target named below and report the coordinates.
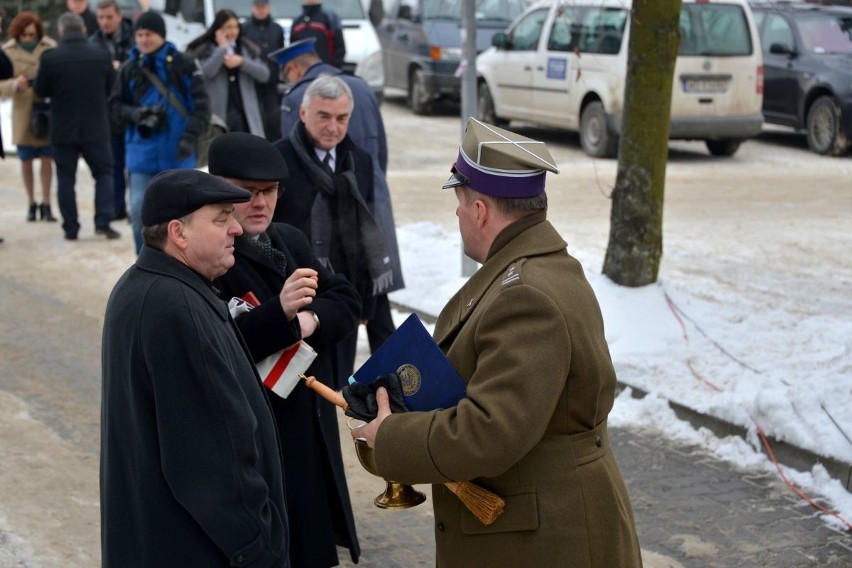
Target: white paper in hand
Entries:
(280, 371)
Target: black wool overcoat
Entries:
(317, 495)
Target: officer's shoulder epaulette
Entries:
(513, 274)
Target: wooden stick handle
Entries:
(326, 392)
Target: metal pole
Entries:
(468, 90)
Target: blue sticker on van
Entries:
(557, 68)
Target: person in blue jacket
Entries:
(161, 130)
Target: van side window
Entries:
(603, 30)
(525, 35)
(563, 34)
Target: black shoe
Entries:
(31, 213)
(108, 232)
(120, 214)
(45, 213)
(70, 236)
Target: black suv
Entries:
(807, 58)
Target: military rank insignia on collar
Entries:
(511, 276)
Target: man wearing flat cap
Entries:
(300, 64)
(191, 473)
(299, 299)
(526, 334)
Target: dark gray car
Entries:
(421, 44)
(807, 59)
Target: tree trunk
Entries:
(636, 223)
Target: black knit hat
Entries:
(173, 194)
(240, 155)
(151, 21)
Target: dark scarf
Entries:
(360, 235)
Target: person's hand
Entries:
(221, 37)
(361, 397)
(232, 61)
(298, 291)
(307, 323)
(138, 113)
(22, 82)
(369, 431)
(185, 149)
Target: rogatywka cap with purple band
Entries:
(499, 163)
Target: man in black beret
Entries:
(297, 298)
(191, 472)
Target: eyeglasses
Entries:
(28, 34)
(266, 193)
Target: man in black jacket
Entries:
(77, 77)
(115, 34)
(323, 25)
(330, 197)
(299, 299)
(191, 472)
(269, 36)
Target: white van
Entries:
(564, 63)
(187, 19)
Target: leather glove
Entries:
(138, 113)
(185, 149)
(361, 397)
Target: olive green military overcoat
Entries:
(526, 333)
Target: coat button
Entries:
(598, 441)
(440, 526)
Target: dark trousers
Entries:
(119, 175)
(98, 156)
(379, 328)
(270, 109)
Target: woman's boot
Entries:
(31, 214)
(46, 214)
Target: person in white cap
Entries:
(526, 334)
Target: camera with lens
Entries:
(152, 121)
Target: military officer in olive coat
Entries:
(526, 334)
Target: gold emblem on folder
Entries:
(409, 377)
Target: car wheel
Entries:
(824, 130)
(724, 146)
(595, 138)
(418, 95)
(485, 104)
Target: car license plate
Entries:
(705, 85)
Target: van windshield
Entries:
(346, 9)
(714, 30)
(498, 10)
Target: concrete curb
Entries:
(787, 454)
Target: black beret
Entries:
(240, 155)
(173, 194)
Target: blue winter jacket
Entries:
(180, 74)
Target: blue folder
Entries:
(429, 380)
